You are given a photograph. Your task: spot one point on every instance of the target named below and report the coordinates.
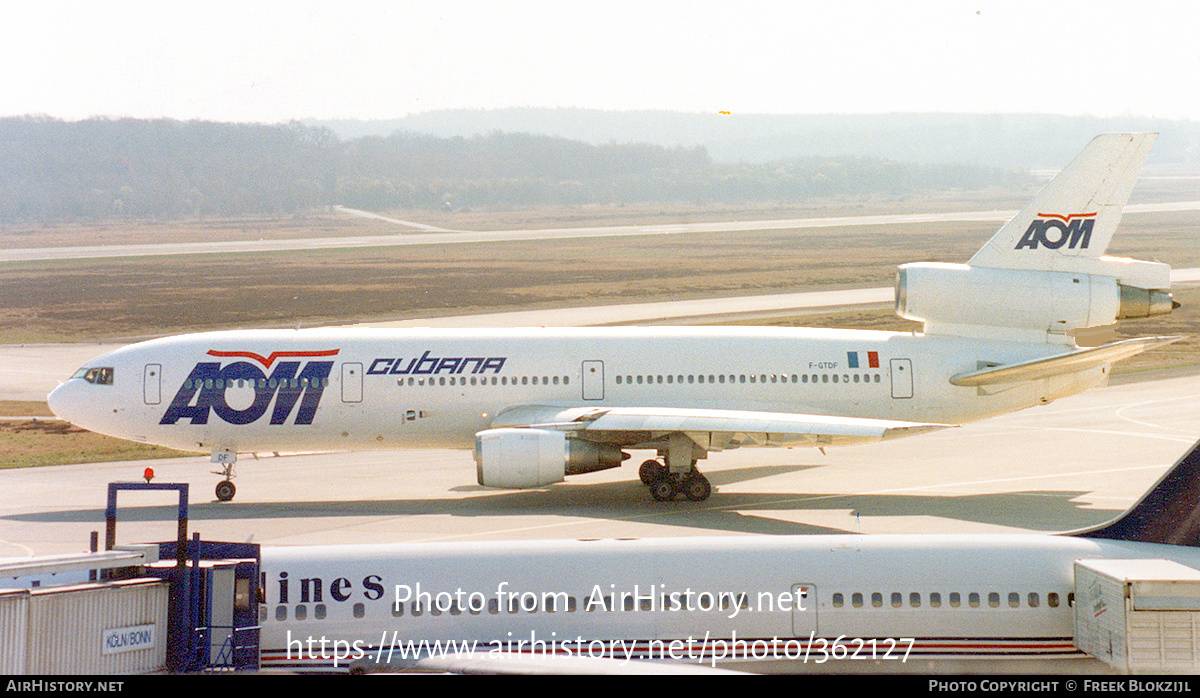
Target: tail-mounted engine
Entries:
(980, 301)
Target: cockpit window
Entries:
(96, 375)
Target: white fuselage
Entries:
(386, 389)
(911, 598)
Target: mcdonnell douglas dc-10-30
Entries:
(539, 404)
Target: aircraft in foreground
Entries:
(895, 603)
(543, 403)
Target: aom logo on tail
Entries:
(1053, 231)
(205, 389)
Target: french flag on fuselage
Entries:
(872, 358)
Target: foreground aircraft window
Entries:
(319, 611)
(897, 599)
(973, 599)
(935, 599)
(994, 599)
(955, 599)
(301, 612)
(281, 613)
(876, 599)
(838, 601)
(360, 610)
(1034, 601)
(1014, 599)
(397, 610)
(1052, 600)
(914, 600)
(856, 599)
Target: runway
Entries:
(1070, 464)
(461, 237)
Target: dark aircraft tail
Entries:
(1169, 513)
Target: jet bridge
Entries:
(182, 606)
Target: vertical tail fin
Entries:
(1076, 214)
(1168, 513)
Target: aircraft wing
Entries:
(1069, 362)
(711, 429)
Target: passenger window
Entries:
(935, 599)
(876, 599)
(955, 599)
(360, 610)
(856, 599)
(973, 599)
(994, 599)
(1014, 599)
(838, 602)
(301, 612)
(1052, 600)
(897, 599)
(1034, 601)
(914, 600)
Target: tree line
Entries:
(104, 169)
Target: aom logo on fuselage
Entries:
(205, 389)
(1053, 231)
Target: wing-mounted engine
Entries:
(523, 458)
(1044, 273)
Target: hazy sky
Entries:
(275, 61)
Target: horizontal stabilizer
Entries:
(1070, 362)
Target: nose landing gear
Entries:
(225, 488)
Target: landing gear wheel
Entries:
(663, 490)
(652, 471)
(225, 490)
(697, 488)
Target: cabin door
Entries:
(152, 384)
(902, 380)
(804, 610)
(352, 382)
(593, 380)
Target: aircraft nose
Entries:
(60, 402)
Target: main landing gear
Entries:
(666, 486)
